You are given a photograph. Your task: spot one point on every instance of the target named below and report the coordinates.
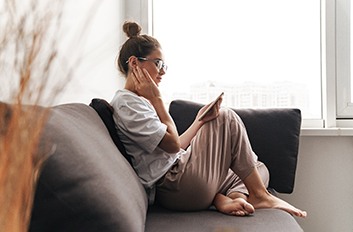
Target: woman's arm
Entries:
(187, 136)
(145, 86)
(170, 142)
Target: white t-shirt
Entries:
(140, 130)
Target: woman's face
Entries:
(154, 64)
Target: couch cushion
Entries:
(273, 133)
(105, 111)
(264, 220)
(86, 185)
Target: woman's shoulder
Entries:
(124, 97)
(125, 92)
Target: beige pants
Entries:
(218, 158)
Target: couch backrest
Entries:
(273, 133)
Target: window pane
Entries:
(260, 53)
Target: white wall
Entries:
(97, 46)
(96, 75)
(324, 184)
(88, 31)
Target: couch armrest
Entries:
(86, 184)
(273, 133)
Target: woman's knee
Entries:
(229, 116)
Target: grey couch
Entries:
(87, 184)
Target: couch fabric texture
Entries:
(88, 185)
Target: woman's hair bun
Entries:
(131, 29)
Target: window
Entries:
(260, 53)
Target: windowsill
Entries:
(326, 132)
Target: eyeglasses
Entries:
(159, 63)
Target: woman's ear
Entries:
(133, 61)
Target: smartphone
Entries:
(210, 107)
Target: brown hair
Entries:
(136, 45)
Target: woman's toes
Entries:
(248, 208)
(239, 213)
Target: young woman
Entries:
(212, 163)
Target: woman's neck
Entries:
(130, 85)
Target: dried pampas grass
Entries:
(29, 56)
(20, 162)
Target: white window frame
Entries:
(344, 103)
(328, 61)
(334, 112)
(140, 11)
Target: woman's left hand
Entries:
(212, 114)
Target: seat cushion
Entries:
(264, 220)
(86, 184)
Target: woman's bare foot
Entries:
(259, 197)
(267, 200)
(237, 206)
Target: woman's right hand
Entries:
(144, 85)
